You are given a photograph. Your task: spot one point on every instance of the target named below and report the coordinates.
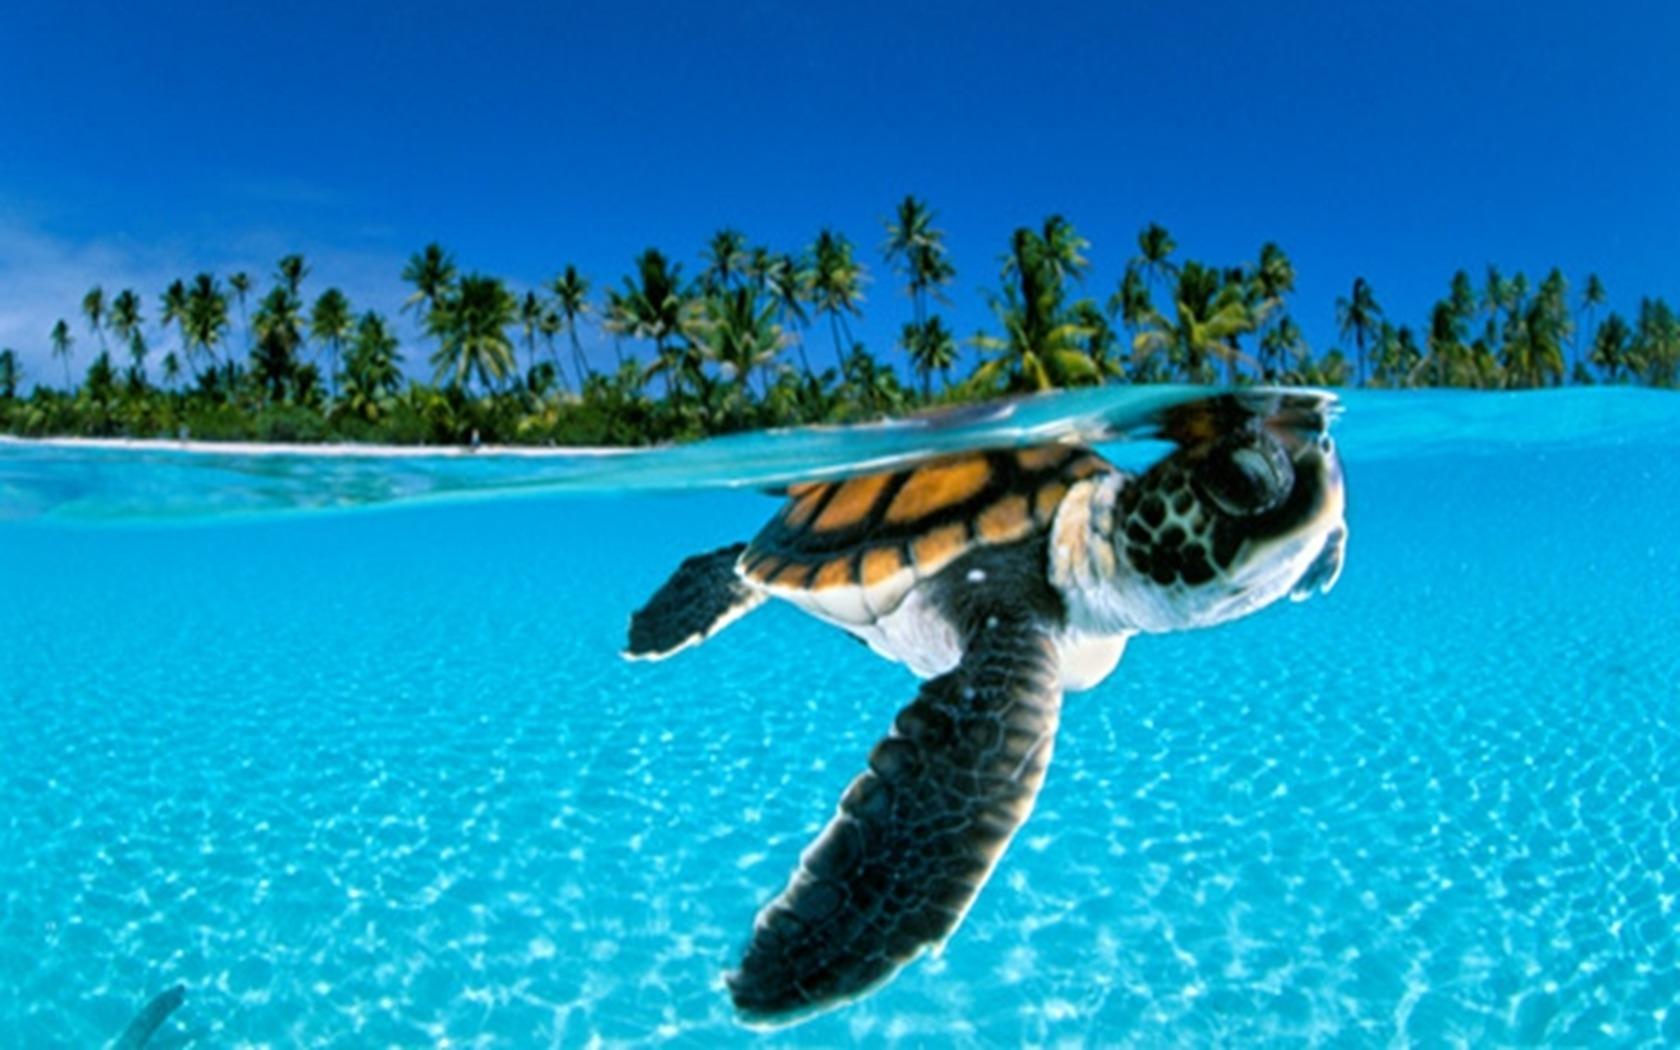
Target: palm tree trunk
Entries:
(554, 359)
(577, 358)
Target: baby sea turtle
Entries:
(1003, 578)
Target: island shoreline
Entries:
(349, 450)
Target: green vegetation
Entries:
(727, 350)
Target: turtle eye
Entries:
(1246, 475)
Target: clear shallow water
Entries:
(381, 778)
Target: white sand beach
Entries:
(258, 448)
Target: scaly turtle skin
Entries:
(1003, 578)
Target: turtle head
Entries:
(1214, 531)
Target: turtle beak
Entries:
(1325, 570)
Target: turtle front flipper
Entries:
(917, 834)
(700, 599)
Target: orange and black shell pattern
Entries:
(881, 532)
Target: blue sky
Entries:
(142, 142)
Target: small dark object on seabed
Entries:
(140, 1030)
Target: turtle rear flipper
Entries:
(917, 834)
(700, 599)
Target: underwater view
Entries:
(797, 525)
(343, 746)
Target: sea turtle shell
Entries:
(851, 550)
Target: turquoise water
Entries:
(371, 777)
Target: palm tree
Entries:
(278, 326)
(869, 384)
(279, 323)
(1273, 279)
(835, 284)
(205, 321)
(932, 347)
(1403, 357)
(1592, 297)
(125, 322)
(10, 374)
(1358, 315)
(171, 368)
(241, 284)
(1100, 340)
(618, 320)
(1060, 249)
(531, 313)
(137, 350)
(330, 323)
(1447, 328)
(549, 326)
(1331, 371)
(1496, 292)
(93, 308)
(1549, 329)
(62, 340)
(1655, 351)
(917, 250)
(726, 256)
(1042, 347)
(1461, 299)
(781, 279)
(1283, 347)
(1153, 261)
(1610, 346)
(125, 313)
(471, 325)
(652, 307)
(1131, 299)
(1531, 353)
(739, 333)
(100, 379)
(1450, 360)
(371, 374)
(1208, 315)
(1519, 293)
(571, 298)
(432, 273)
(290, 271)
(174, 304)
